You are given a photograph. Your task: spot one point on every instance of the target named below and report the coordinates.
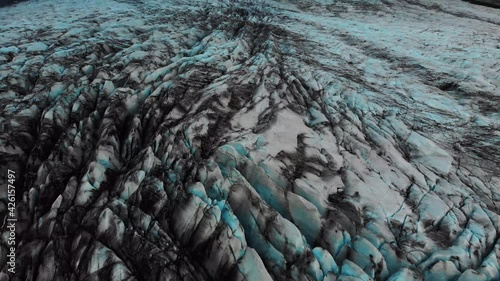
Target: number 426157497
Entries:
(11, 190)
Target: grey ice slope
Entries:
(305, 140)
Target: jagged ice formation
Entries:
(289, 140)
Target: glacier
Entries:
(314, 140)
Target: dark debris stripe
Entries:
(488, 3)
(5, 3)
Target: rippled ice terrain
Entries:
(278, 140)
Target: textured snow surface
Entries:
(331, 140)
